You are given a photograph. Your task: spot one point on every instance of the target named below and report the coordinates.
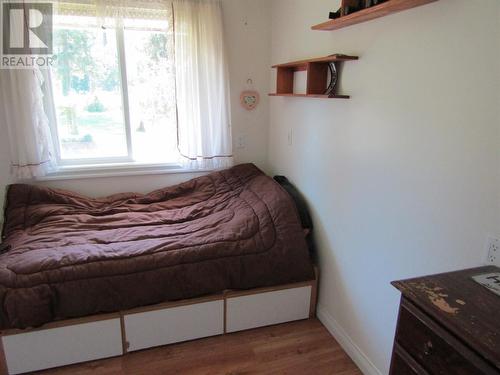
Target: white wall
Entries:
(248, 29)
(248, 54)
(403, 178)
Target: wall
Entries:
(403, 178)
(247, 24)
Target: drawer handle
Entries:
(428, 348)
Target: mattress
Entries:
(65, 255)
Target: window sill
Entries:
(116, 170)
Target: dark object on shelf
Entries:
(333, 79)
(447, 324)
(382, 9)
(370, 3)
(348, 9)
(352, 6)
(335, 15)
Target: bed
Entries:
(65, 255)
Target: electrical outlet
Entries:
(493, 247)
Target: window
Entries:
(114, 91)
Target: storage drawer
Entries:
(174, 324)
(427, 343)
(400, 367)
(53, 347)
(263, 309)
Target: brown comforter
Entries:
(67, 255)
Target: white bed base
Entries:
(86, 339)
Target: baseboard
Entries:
(362, 361)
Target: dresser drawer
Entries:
(400, 367)
(433, 348)
(404, 364)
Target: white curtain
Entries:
(202, 85)
(31, 146)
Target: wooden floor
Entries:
(304, 347)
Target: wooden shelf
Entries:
(302, 64)
(380, 10)
(313, 96)
(317, 74)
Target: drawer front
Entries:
(54, 347)
(264, 309)
(400, 367)
(175, 324)
(434, 349)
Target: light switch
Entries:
(290, 136)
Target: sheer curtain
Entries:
(28, 129)
(23, 115)
(202, 84)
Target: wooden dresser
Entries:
(448, 324)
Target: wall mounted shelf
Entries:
(376, 11)
(313, 96)
(317, 75)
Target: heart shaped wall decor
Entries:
(249, 99)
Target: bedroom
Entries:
(401, 180)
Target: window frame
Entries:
(105, 163)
